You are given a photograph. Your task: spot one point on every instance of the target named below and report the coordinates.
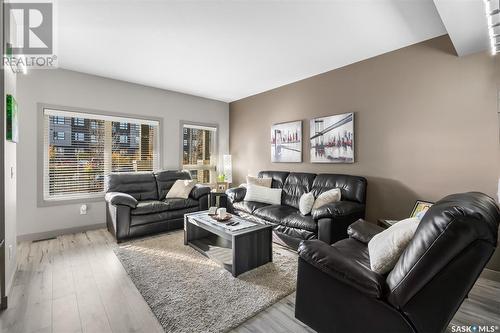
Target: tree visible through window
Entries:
(82, 150)
(199, 154)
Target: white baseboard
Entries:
(491, 274)
(58, 232)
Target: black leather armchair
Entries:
(338, 292)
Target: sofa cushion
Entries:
(263, 194)
(266, 182)
(149, 207)
(347, 261)
(165, 179)
(327, 197)
(136, 220)
(178, 203)
(248, 206)
(181, 189)
(296, 184)
(140, 185)
(299, 221)
(353, 188)
(274, 213)
(278, 177)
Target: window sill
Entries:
(61, 202)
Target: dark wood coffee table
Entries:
(238, 251)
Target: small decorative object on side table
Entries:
(386, 223)
(217, 199)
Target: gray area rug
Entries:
(189, 293)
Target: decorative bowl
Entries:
(222, 219)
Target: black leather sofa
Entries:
(337, 291)
(328, 223)
(136, 203)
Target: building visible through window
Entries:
(58, 135)
(80, 151)
(79, 121)
(199, 154)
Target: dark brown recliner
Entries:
(337, 291)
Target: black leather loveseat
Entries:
(337, 291)
(328, 223)
(136, 204)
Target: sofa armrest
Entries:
(119, 198)
(336, 264)
(363, 231)
(199, 190)
(236, 194)
(338, 209)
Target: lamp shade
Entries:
(228, 167)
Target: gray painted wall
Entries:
(73, 89)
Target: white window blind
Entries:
(82, 149)
(199, 152)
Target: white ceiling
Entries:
(466, 23)
(227, 50)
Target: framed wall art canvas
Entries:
(332, 139)
(11, 133)
(286, 142)
(420, 208)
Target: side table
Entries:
(218, 199)
(386, 223)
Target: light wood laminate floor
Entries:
(75, 283)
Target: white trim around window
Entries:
(104, 121)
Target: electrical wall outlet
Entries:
(83, 209)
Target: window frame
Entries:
(181, 145)
(41, 201)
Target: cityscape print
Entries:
(332, 139)
(286, 142)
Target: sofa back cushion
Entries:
(278, 177)
(353, 188)
(165, 180)
(296, 184)
(140, 185)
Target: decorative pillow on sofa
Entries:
(181, 189)
(306, 203)
(386, 247)
(327, 197)
(266, 182)
(263, 194)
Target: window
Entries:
(58, 120)
(79, 136)
(199, 154)
(79, 121)
(58, 135)
(76, 169)
(123, 139)
(123, 126)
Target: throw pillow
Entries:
(386, 247)
(266, 182)
(327, 197)
(306, 203)
(181, 189)
(263, 194)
